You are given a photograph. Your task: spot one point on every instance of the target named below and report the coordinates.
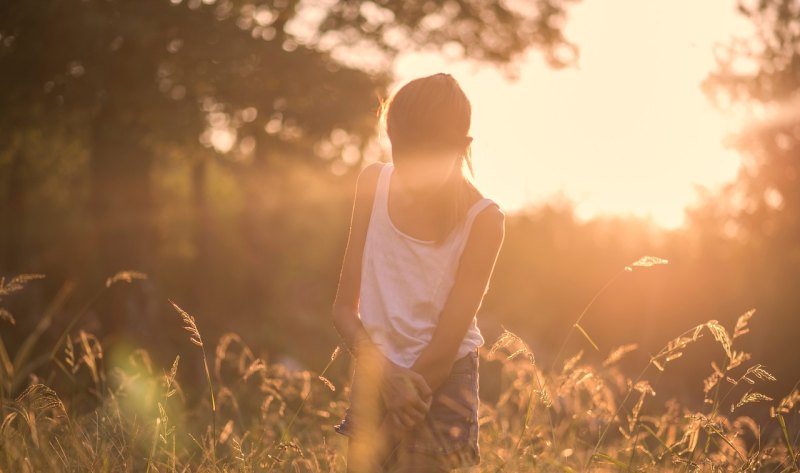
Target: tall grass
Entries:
(78, 406)
(197, 339)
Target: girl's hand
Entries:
(389, 434)
(406, 395)
(405, 392)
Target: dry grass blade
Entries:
(327, 382)
(127, 276)
(505, 339)
(170, 378)
(191, 325)
(336, 352)
(17, 283)
(544, 397)
(611, 460)
(226, 432)
(671, 350)
(586, 335)
(741, 323)
(644, 389)
(646, 262)
(40, 398)
(570, 363)
(92, 351)
(759, 372)
(6, 315)
(712, 379)
(256, 366)
(517, 353)
(787, 403)
(763, 374)
(69, 355)
(538, 390)
(720, 335)
(7, 422)
(674, 356)
(786, 439)
(283, 439)
(750, 397)
(619, 352)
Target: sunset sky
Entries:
(628, 131)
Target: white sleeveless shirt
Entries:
(405, 281)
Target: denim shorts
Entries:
(449, 431)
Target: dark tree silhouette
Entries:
(760, 210)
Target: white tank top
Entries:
(405, 281)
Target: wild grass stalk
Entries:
(282, 440)
(197, 339)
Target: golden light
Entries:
(628, 131)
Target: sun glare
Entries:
(628, 131)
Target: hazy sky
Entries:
(628, 131)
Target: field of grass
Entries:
(72, 407)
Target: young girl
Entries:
(422, 247)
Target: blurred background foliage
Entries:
(214, 146)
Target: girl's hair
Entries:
(432, 114)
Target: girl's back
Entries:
(405, 281)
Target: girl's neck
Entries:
(409, 198)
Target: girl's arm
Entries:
(465, 298)
(345, 306)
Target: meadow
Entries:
(81, 406)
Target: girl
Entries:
(422, 247)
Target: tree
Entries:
(761, 208)
(763, 74)
(250, 82)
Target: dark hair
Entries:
(432, 114)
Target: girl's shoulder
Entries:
(367, 182)
(372, 170)
(367, 189)
(490, 215)
(475, 196)
(490, 220)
